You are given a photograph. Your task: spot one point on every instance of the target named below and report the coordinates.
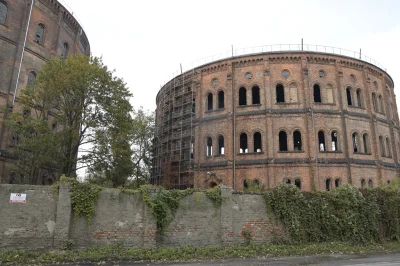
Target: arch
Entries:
(356, 142)
(321, 140)
(283, 141)
(337, 182)
(31, 78)
(328, 184)
(242, 96)
(359, 98)
(257, 142)
(209, 101)
(297, 183)
(221, 145)
(39, 36)
(382, 146)
(370, 184)
(3, 12)
(255, 95)
(212, 184)
(65, 51)
(297, 144)
(348, 95)
(221, 100)
(243, 143)
(293, 92)
(329, 93)
(374, 102)
(209, 146)
(335, 140)
(363, 183)
(366, 143)
(388, 149)
(280, 93)
(317, 93)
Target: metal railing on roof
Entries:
(279, 48)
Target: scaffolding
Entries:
(174, 140)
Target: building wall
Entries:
(300, 112)
(59, 27)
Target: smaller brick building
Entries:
(317, 120)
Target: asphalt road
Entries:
(326, 260)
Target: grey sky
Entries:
(145, 41)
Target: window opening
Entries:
(359, 98)
(280, 94)
(39, 33)
(287, 181)
(209, 146)
(380, 104)
(242, 96)
(213, 184)
(355, 142)
(366, 143)
(348, 93)
(12, 178)
(388, 151)
(255, 92)
(321, 141)
(334, 138)
(283, 141)
(65, 51)
(297, 141)
(209, 102)
(3, 13)
(243, 143)
(297, 183)
(362, 183)
(321, 74)
(328, 185)
(317, 93)
(221, 101)
(257, 142)
(245, 185)
(221, 148)
(382, 147)
(14, 139)
(370, 185)
(337, 182)
(31, 78)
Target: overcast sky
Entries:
(145, 41)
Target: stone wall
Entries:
(46, 221)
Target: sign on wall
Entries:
(17, 198)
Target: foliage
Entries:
(343, 214)
(75, 105)
(253, 187)
(188, 253)
(247, 236)
(215, 195)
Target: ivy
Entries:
(214, 194)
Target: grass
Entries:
(191, 253)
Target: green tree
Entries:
(79, 114)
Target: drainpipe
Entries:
(234, 127)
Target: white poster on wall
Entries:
(17, 198)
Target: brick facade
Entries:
(344, 103)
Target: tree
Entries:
(76, 113)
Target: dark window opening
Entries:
(14, 139)
(221, 101)
(209, 146)
(370, 185)
(245, 185)
(242, 96)
(65, 51)
(382, 147)
(287, 181)
(283, 141)
(321, 141)
(328, 185)
(209, 102)
(355, 142)
(243, 143)
(317, 93)
(280, 93)
(256, 182)
(334, 138)
(39, 33)
(362, 183)
(255, 93)
(297, 183)
(337, 182)
(221, 148)
(257, 142)
(359, 98)
(31, 78)
(297, 141)
(348, 93)
(12, 178)
(49, 181)
(3, 13)
(366, 143)
(213, 184)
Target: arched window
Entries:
(382, 146)
(14, 139)
(335, 142)
(359, 98)
(12, 180)
(3, 13)
(39, 33)
(297, 141)
(209, 146)
(362, 183)
(287, 181)
(366, 143)
(356, 142)
(257, 142)
(31, 78)
(337, 182)
(348, 94)
(329, 94)
(65, 51)
(381, 109)
(209, 102)
(280, 93)
(370, 185)
(328, 184)
(221, 145)
(317, 93)
(297, 183)
(388, 150)
(242, 96)
(321, 141)
(243, 143)
(374, 102)
(221, 101)
(255, 94)
(283, 141)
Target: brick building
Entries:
(31, 31)
(316, 120)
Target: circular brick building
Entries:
(31, 31)
(316, 120)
